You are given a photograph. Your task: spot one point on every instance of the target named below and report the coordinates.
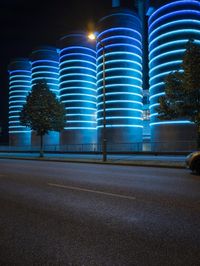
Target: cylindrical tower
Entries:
(170, 28)
(45, 66)
(78, 89)
(119, 40)
(19, 87)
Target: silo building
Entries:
(119, 80)
(170, 28)
(45, 66)
(19, 87)
(78, 91)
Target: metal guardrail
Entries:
(180, 146)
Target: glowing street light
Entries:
(92, 37)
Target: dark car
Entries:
(193, 162)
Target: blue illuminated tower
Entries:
(78, 88)
(45, 66)
(19, 86)
(120, 37)
(170, 28)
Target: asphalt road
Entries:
(88, 214)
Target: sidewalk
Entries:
(171, 161)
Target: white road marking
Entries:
(92, 191)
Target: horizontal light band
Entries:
(170, 33)
(20, 81)
(77, 61)
(163, 74)
(181, 41)
(175, 22)
(120, 61)
(14, 132)
(81, 54)
(77, 88)
(119, 117)
(118, 29)
(119, 77)
(20, 76)
(156, 85)
(78, 74)
(78, 68)
(171, 123)
(77, 47)
(79, 128)
(153, 105)
(47, 78)
(170, 14)
(121, 93)
(25, 92)
(19, 71)
(77, 80)
(166, 64)
(45, 66)
(121, 101)
(126, 45)
(91, 115)
(156, 95)
(82, 108)
(119, 37)
(119, 53)
(154, 114)
(125, 125)
(121, 109)
(120, 85)
(81, 121)
(45, 72)
(78, 94)
(44, 61)
(120, 69)
(84, 101)
(181, 51)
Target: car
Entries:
(193, 162)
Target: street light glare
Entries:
(92, 36)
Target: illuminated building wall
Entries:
(170, 27)
(45, 66)
(78, 88)
(19, 86)
(120, 37)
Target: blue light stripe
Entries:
(76, 67)
(175, 32)
(120, 101)
(124, 125)
(118, 29)
(171, 122)
(77, 47)
(77, 61)
(121, 93)
(78, 74)
(72, 54)
(180, 21)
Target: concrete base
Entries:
(20, 139)
(173, 137)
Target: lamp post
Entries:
(92, 37)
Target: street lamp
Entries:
(93, 37)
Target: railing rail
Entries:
(180, 146)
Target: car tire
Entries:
(197, 166)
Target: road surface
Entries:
(55, 213)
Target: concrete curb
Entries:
(147, 163)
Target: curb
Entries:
(122, 163)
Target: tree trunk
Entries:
(41, 146)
